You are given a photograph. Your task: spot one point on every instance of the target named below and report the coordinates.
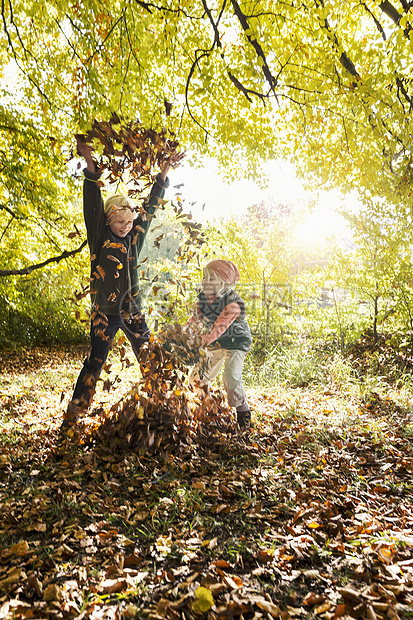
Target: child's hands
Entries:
(173, 161)
(85, 150)
(176, 158)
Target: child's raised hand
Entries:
(85, 150)
(176, 158)
(173, 161)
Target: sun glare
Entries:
(321, 224)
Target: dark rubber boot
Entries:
(244, 419)
(71, 417)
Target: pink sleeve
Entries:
(225, 319)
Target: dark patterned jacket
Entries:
(114, 260)
(238, 334)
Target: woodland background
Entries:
(325, 86)
(310, 515)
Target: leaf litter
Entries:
(159, 507)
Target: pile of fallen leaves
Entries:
(162, 414)
(309, 516)
(184, 342)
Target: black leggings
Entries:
(102, 332)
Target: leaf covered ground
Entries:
(309, 515)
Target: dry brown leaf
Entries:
(52, 592)
(20, 548)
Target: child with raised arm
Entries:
(115, 235)
(227, 336)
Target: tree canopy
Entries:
(323, 82)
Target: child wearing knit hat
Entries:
(227, 336)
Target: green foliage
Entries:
(326, 84)
(37, 309)
(330, 324)
(292, 366)
(35, 190)
(377, 270)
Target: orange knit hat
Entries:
(225, 269)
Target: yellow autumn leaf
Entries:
(198, 484)
(321, 609)
(386, 554)
(314, 525)
(204, 600)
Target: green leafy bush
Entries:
(38, 310)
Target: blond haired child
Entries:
(115, 234)
(227, 335)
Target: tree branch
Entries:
(6, 228)
(204, 53)
(390, 11)
(242, 89)
(102, 43)
(214, 24)
(402, 89)
(59, 26)
(150, 5)
(376, 21)
(253, 41)
(345, 61)
(26, 53)
(54, 259)
(9, 211)
(217, 42)
(394, 15)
